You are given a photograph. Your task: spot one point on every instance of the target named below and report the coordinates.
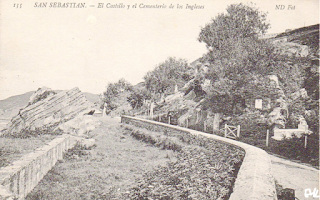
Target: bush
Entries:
(77, 151)
(293, 148)
(250, 125)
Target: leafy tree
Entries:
(239, 61)
(240, 21)
(166, 75)
(116, 94)
(138, 95)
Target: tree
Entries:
(239, 61)
(138, 95)
(116, 94)
(166, 75)
(240, 21)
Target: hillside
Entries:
(93, 98)
(11, 106)
(304, 36)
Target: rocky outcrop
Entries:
(40, 94)
(291, 49)
(279, 114)
(49, 111)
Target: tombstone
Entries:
(216, 121)
(176, 89)
(162, 98)
(258, 103)
(268, 106)
(275, 81)
(302, 124)
(104, 113)
(151, 109)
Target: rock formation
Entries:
(278, 116)
(81, 125)
(40, 94)
(47, 110)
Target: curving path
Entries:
(292, 175)
(296, 176)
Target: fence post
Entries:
(225, 130)
(187, 122)
(267, 139)
(169, 120)
(305, 141)
(205, 126)
(238, 131)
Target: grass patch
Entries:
(12, 149)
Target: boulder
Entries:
(48, 112)
(302, 93)
(81, 125)
(292, 49)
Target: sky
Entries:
(63, 48)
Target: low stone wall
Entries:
(19, 178)
(254, 181)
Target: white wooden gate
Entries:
(232, 132)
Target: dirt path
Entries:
(296, 176)
(109, 170)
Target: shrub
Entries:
(293, 148)
(250, 125)
(77, 151)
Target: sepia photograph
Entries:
(159, 100)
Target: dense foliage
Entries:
(239, 65)
(138, 96)
(166, 75)
(239, 61)
(240, 21)
(204, 169)
(116, 94)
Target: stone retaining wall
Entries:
(19, 178)
(254, 181)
